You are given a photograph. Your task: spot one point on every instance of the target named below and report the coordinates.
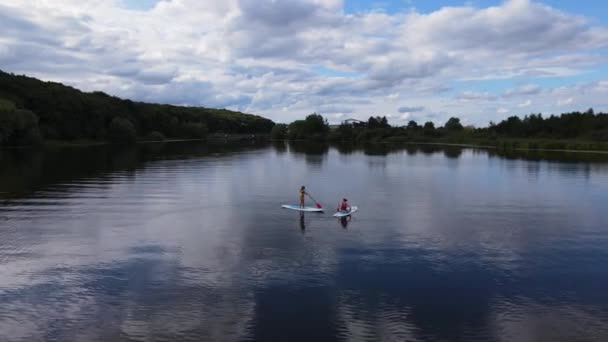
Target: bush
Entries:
(6, 105)
(396, 139)
(155, 136)
(122, 131)
(31, 137)
(18, 127)
(193, 130)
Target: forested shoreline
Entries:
(32, 111)
(576, 131)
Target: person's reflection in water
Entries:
(302, 223)
(344, 221)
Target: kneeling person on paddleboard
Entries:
(344, 206)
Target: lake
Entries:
(188, 242)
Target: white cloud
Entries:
(392, 97)
(565, 102)
(529, 89)
(406, 109)
(502, 110)
(476, 96)
(528, 103)
(264, 56)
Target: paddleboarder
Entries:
(344, 206)
(303, 194)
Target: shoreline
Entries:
(463, 145)
(216, 138)
(89, 143)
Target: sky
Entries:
(423, 60)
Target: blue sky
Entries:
(596, 9)
(593, 8)
(479, 60)
(140, 4)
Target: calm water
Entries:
(185, 242)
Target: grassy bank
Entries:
(143, 140)
(531, 144)
(502, 143)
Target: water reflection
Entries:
(314, 153)
(302, 222)
(452, 153)
(279, 146)
(557, 156)
(345, 149)
(187, 242)
(25, 170)
(22, 171)
(344, 221)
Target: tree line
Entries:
(32, 110)
(583, 126)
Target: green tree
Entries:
(344, 132)
(67, 113)
(18, 127)
(372, 123)
(513, 126)
(316, 125)
(297, 130)
(279, 132)
(429, 128)
(453, 124)
(384, 122)
(313, 127)
(193, 130)
(412, 125)
(377, 122)
(122, 131)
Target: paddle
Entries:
(318, 205)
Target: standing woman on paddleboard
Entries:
(302, 195)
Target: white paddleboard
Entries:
(298, 208)
(346, 213)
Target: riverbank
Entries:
(502, 143)
(210, 138)
(536, 144)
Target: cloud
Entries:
(476, 96)
(332, 109)
(502, 110)
(392, 97)
(156, 76)
(514, 27)
(565, 102)
(406, 109)
(261, 55)
(529, 89)
(601, 86)
(528, 103)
